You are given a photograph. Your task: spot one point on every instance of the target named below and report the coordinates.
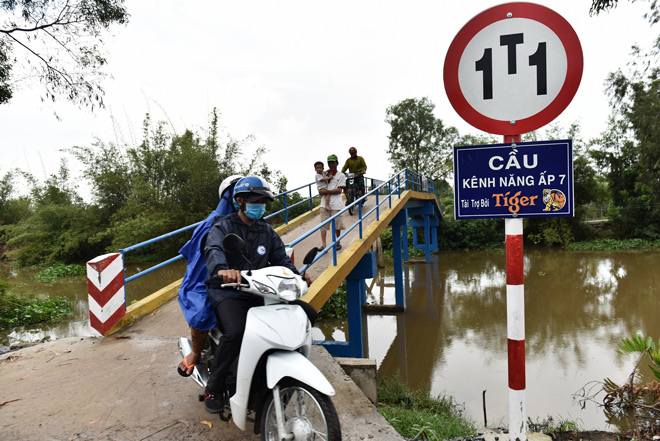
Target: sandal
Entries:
(188, 366)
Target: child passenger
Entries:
(322, 183)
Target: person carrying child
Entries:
(322, 184)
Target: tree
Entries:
(629, 152)
(59, 227)
(598, 6)
(57, 41)
(166, 182)
(588, 189)
(418, 140)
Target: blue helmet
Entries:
(253, 187)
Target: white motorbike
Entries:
(273, 383)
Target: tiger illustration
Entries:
(553, 199)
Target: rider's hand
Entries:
(308, 279)
(230, 276)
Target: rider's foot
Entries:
(214, 402)
(188, 363)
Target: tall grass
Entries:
(415, 414)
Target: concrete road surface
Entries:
(125, 387)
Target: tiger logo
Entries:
(553, 199)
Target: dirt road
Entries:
(125, 387)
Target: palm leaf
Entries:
(636, 344)
(656, 372)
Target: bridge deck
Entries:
(328, 276)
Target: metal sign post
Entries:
(510, 70)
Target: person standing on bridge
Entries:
(193, 299)
(264, 248)
(356, 164)
(336, 186)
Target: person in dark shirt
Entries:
(356, 164)
(264, 248)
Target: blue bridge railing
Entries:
(382, 191)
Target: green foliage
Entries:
(386, 241)
(636, 405)
(166, 182)
(58, 41)
(613, 244)
(549, 425)
(337, 305)
(58, 271)
(632, 213)
(639, 345)
(470, 234)
(20, 311)
(291, 199)
(629, 152)
(59, 227)
(418, 140)
(416, 415)
(551, 231)
(588, 185)
(598, 6)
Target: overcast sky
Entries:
(307, 78)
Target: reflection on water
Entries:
(23, 282)
(578, 306)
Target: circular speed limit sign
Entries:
(513, 68)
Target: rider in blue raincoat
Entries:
(193, 299)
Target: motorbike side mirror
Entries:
(235, 245)
(311, 254)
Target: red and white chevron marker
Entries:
(515, 313)
(105, 288)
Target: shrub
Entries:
(21, 311)
(59, 270)
(336, 307)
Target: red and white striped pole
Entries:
(515, 313)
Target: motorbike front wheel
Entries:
(308, 414)
(350, 197)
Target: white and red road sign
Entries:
(105, 288)
(513, 68)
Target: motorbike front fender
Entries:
(292, 364)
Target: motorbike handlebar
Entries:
(219, 278)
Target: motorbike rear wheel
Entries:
(308, 414)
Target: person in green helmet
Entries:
(336, 186)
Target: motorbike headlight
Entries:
(263, 288)
(288, 289)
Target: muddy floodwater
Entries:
(23, 282)
(453, 335)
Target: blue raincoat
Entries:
(193, 299)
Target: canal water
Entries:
(453, 336)
(578, 307)
(23, 282)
